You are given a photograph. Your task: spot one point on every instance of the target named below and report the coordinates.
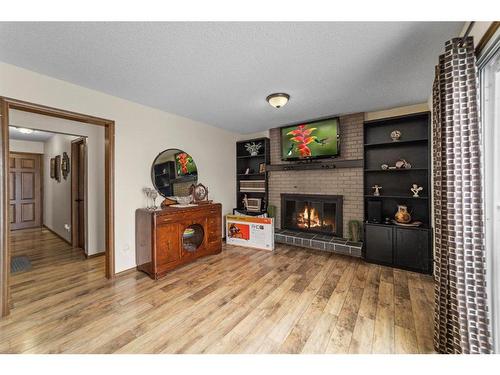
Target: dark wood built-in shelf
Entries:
(390, 244)
(250, 156)
(399, 170)
(394, 196)
(244, 161)
(250, 174)
(396, 143)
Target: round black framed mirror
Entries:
(173, 172)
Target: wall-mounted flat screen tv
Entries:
(184, 164)
(312, 140)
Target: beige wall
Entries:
(262, 134)
(398, 111)
(26, 146)
(57, 195)
(141, 133)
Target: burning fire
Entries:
(309, 218)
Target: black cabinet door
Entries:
(411, 249)
(378, 242)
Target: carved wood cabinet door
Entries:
(167, 244)
(25, 208)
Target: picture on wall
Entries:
(52, 168)
(65, 165)
(58, 168)
(184, 164)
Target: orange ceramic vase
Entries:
(402, 215)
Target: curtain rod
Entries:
(467, 32)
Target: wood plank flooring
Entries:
(240, 301)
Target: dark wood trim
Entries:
(55, 112)
(109, 187)
(95, 255)
(487, 36)
(4, 209)
(57, 235)
(5, 105)
(74, 227)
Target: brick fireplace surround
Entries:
(347, 182)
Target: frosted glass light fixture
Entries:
(278, 100)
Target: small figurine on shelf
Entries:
(415, 190)
(376, 191)
(245, 202)
(395, 135)
(403, 164)
(253, 148)
(402, 215)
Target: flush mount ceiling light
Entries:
(278, 100)
(25, 130)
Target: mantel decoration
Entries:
(376, 190)
(415, 189)
(253, 148)
(65, 165)
(396, 135)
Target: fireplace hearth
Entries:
(312, 213)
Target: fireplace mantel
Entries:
(308, 165)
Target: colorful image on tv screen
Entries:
(310, 140)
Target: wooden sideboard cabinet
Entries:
(171, 237)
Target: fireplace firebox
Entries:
(321, 214)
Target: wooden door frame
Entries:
(7, 104)
(73, 191)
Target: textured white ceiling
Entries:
(221, 73)
(36, 136)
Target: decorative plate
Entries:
(199, 192)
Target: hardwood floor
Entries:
(240, 301)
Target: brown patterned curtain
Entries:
(461, 312)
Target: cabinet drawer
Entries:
(164, 219)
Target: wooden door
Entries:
(25, 191)
(78, 191)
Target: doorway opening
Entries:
(18, 213)
(78, 192)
